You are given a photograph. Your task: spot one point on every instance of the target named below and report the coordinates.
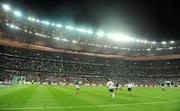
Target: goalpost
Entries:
(18, 80)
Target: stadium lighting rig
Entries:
(163, 42)
(6, 7)
(100, 34)
(171, 42)
(74, 41)
(92, 44)
(17, 13)
(56, 38)
(119, 37)
(154, 42)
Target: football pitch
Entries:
(63, 98)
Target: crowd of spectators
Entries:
(68, 67)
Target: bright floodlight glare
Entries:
(159, 48)
(74, 41)
(100, 34)
(29, 18)
(148, 49)
(137, 40)
(82, 30)
(119, 37)
(145, 41)
(16, 27)
(46, 23)
(69, 27)
(65, 40)
(153, 42)
(53, 24)
(57, 38)
(172, 42)
(33, 19)
(6, 7)
(12, 26)
(37, 20)
(17, 13)
(89, 31)
(133, 39)
(170, 48)
(163, 42)
(59, 25)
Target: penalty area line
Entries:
(88, 106)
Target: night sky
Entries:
(149, 20)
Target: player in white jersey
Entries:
(129, 88)
(77, 87)
(110, 86)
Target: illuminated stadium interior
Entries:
(80, 36)
(47, 56)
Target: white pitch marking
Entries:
(90, 106)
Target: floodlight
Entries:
(100, 34)
(89, 31)
(17, 13)
(29, 18)
(46, 22)
(65, 40)
(82, 30)
(163, 42)
(37, 20)
(172, 42)
(12, 26)
(159, 48)
(59, 25)
(170, 48)
(53, 24)
(69, 27)
(145, 41)
(33, 19)
(137, 40)
(115, 47)
(154, 42)
(6, 7)
(74, 41)
(133, 39)
(119, 37)
(42, 22)
(57, 38)
(148, 49)
(16, 27)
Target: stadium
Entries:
(42, 62)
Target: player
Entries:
(116, 85)
(77, 87)
(162, 87)
(129, 88)
(110, 86)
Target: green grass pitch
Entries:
(63, 98)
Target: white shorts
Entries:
(77, 86)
